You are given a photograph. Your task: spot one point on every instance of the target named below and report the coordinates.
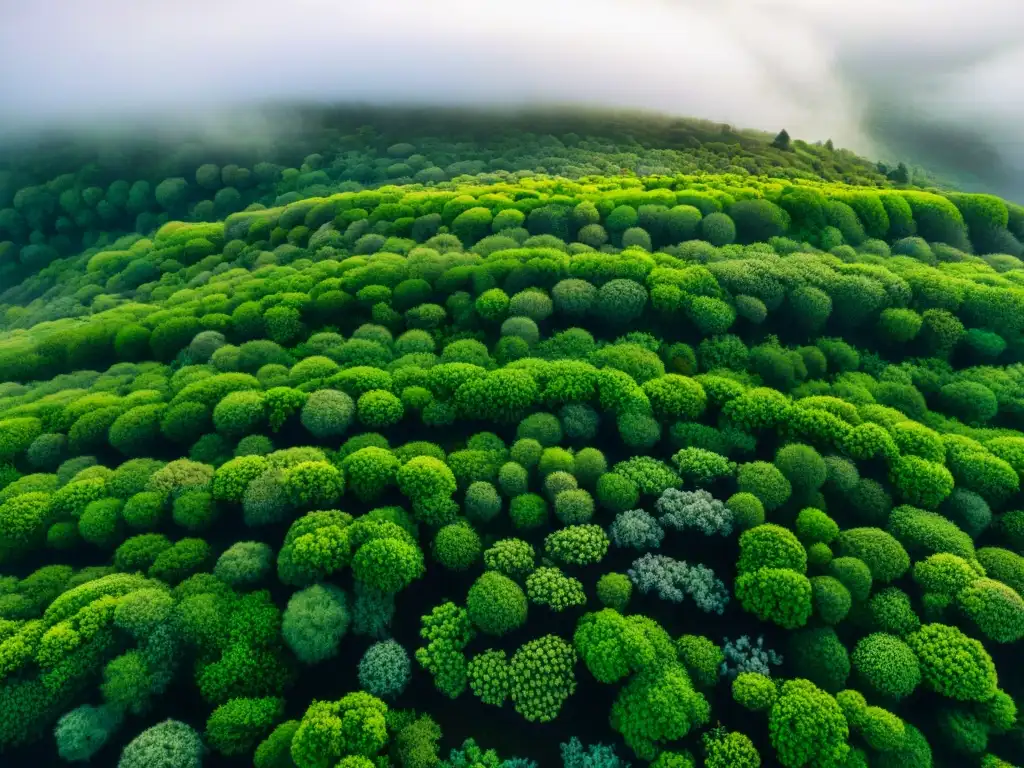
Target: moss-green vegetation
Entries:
(314, 456)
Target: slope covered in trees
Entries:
(705, 465)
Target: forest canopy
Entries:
(594, 442)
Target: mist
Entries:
(932, 81)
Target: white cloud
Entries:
(809, 65)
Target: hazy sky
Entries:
(946, 73)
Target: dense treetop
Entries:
(696, 465)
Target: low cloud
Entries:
(934, 80)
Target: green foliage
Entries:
(315, 622)
(886, 665)
(953, 664)
(384, 669)
(658, 704)
(353, 725)
(780, 595)
(754, 691)
(884, 556)
(577, 544)
(236, 727)
(170, 744)
(496, 604)
(400, 282)
(807, 726)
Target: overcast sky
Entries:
(945, 75)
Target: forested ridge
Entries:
(415, 439)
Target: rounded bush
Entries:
(996, 609)
(314, 622)
(747, 510)
(245, 564)
(496, 604)
(545, 428)
(779, 595)
(170, 744)
(239, 413)
(379, 409)
(832, 600)
(802, 466)
(754, 691)
(771, 546)
(891, 612)
(327, 413)
(385, 669)
(83, 731)
(457, 546)
(766, 482)
(884, 556)
(675, 398)
(969, 401)
(482, 502)
(236, 727)
(887, 665)
(573, 507)
(819, 656)
(528, 511)
(814, 526)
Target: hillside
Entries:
(426, 439)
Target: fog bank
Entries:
(934, 80)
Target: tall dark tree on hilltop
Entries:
(900, 174)
(782, 140)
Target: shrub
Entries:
(921, 482)
(754, 691)
(327, 413)
(953, 664)
(573, 506)
(969, 401)
(496, 604)
(658, 704)
(379, 409)
(83, 731)
(528, 511)
(884, 556)
(144, 510)
(614, 590)
(577, 545)
(766, 482)
(923, 533)
(314, 622)
(813, 526)
(832, 600)
(887, 665)
(457, 546)
(482, 502)
(545, 428)
(236, 727)
(807, 726)
(771, 546)
(747, 510)
(542, 678)
(779, 595)
(385, 669)
(355, 725)
(245, 564)
(701, 657)
(635, 528)
(550, 587)
(512, 557)
(996, 609)
(170, 744)
(892, 612)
